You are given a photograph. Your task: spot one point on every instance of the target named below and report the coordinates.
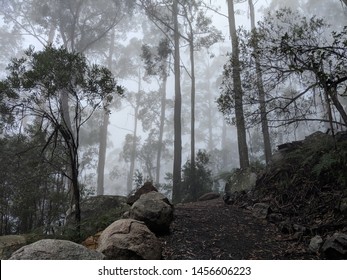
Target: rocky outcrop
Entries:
(146, 188)
(155, 210)
(335, 247)
(11, 243)
(128, 239)
(52, 249)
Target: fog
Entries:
(115, 39)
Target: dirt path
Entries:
(213, 230)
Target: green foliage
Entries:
(32, 192)
(155, 58)
(62, 91)
(315, 162)
(138, 179)
(197, 180)
(331, 167)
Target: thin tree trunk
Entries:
(161, 128)
(224, 144)
(192, 121)
(102, 154)
(104, 130)
(239, 115)
(76, 193)
(133, 149)
(210, 105)
(176, 191)
(72, 143)
(261, 93)
(333, 96)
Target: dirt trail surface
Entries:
(216, 231)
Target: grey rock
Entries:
(52, 249)
(242, 180)
(128, 239)
(155, 210)
(146, 188)
(335, 247)
(260, 210)
(315, 244)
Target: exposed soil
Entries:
(216, 231)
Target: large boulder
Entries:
(146, 188)
(52, 249)
(155, 210)
(241, 180)
(128, 239)
(97, 212)
(11, 243)
(335, 247)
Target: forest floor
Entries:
(213, 230)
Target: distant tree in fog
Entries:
(304, 65)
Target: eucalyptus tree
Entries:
(36, 83)
(78, 26)
(261, 91)
(165, 15)
(236, 89)
(199, 32)
(293, 46)
(333, 11)
(208, 66)
(188, 21)
(156, 63)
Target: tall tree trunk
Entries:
(210, 106)
(71, 140)
(76, 190)
(133, 150)
(102, 153)
(192, 120)
(161, 128)
(224, 144)
(104, 130)
(176, 191)
(261, 93)
(239, 115)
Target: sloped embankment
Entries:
(307, 183)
